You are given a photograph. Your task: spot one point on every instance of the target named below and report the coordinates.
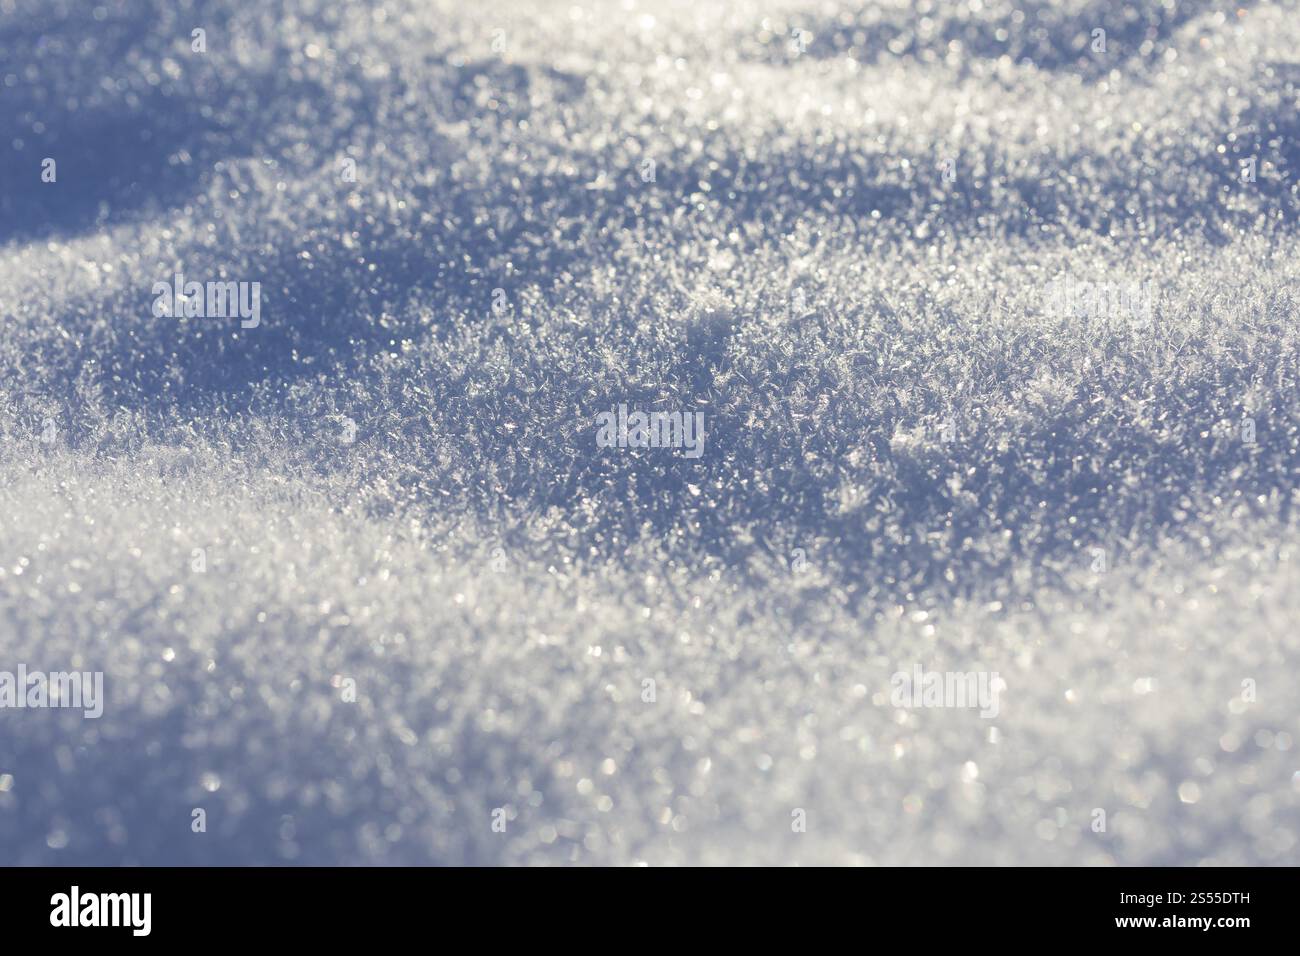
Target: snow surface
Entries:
(911, 458)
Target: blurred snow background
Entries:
(391, 483)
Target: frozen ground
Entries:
(844, 260)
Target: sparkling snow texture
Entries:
(360, 577)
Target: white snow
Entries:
(362, 584)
